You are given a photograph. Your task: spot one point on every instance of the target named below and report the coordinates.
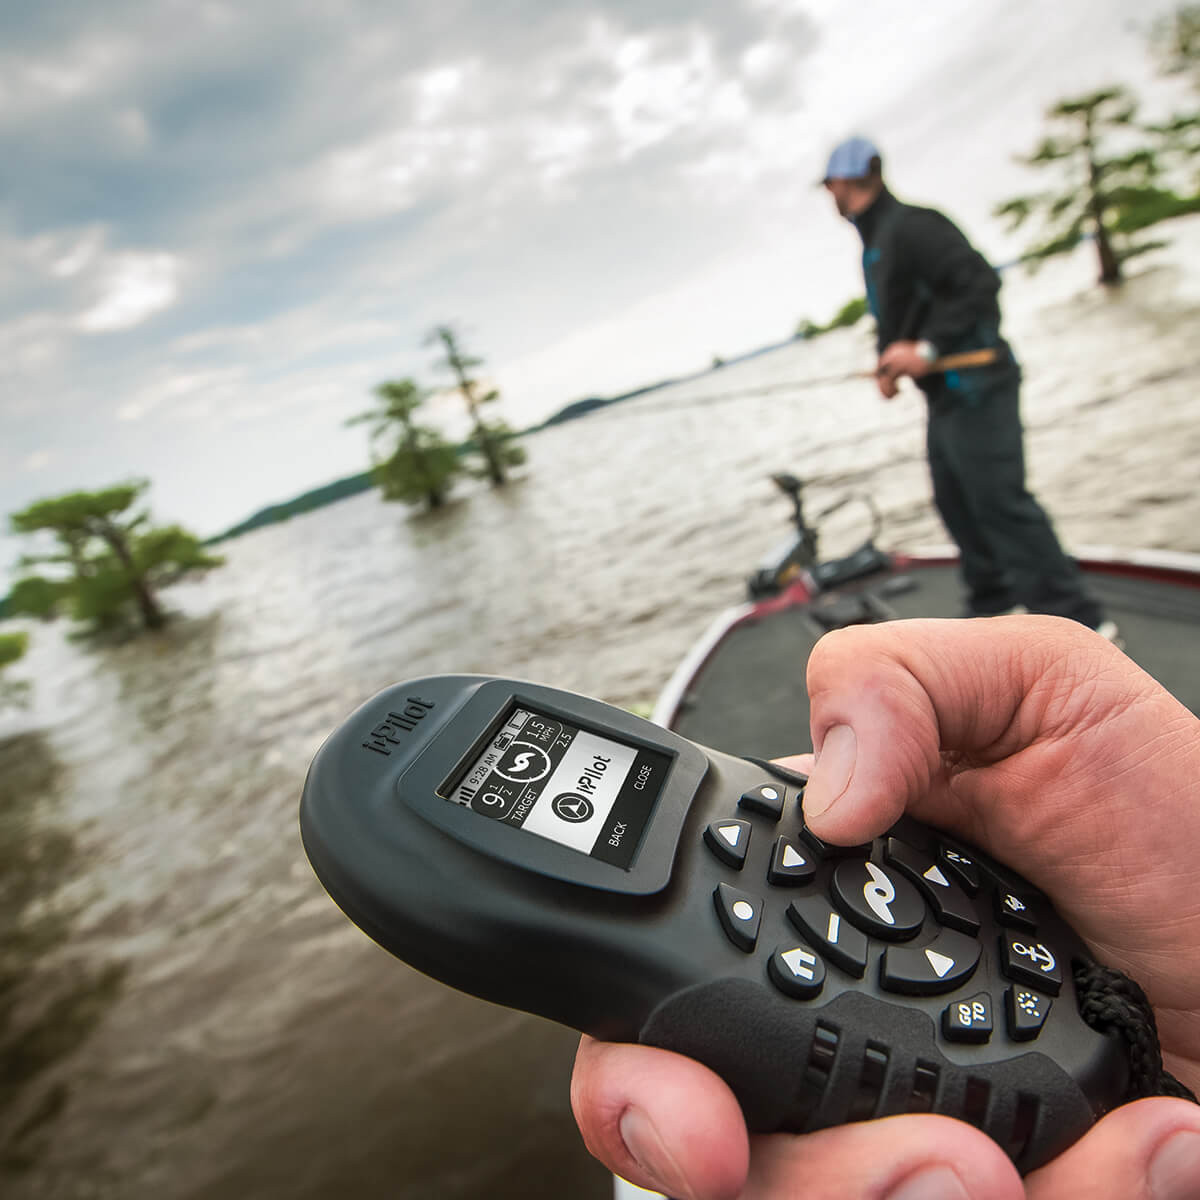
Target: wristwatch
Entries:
(926, 351)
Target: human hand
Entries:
(902, 358)
(887, 384)
(1040, 742)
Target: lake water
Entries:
(184, 1013)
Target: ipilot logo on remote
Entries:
(573, 807)
(387, 733)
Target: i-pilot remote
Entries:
(555, 854)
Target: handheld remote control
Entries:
(555, 854)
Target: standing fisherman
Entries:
(932, 294)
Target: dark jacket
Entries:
(925, 280)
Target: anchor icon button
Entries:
(1034, 963)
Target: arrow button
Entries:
(797, 970)
(941, 966)
(729, 840)
(791, 866)
(951, 904)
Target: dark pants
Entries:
(1010, 554)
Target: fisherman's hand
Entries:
(1039, 741)
(887, 384)
(902, 358)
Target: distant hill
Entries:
(339, 489)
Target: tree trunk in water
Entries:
(153, 616)
(491, 452)
(1110, 266)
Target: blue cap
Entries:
(851, 159)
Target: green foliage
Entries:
(99, 599)
(849, 314)
(488, 438)
(80, 514)
(36, 596)
(502, 448)
(12, 647)
(1175, 43)
(418, 463)
(169, 552)
(1149, 206)
(1102, 188)
(110, 561)
(412, 474)
(13, 692)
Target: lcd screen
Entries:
(582, 789)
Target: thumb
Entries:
(956, 721)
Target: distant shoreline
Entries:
(353, 485)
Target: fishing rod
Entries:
(948, 362)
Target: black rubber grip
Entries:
(798, 1068)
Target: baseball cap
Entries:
(851, 159)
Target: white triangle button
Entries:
(792, 857)
(731, 833)
(935, 876)
(939, 962)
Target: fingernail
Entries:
(647, 1150)
(832, 770)
(934, 1183)
(1175, 1168)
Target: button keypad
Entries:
(904, 914)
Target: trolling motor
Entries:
(799, 554)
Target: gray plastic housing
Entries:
(640, 955)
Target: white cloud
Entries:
(79, 69)
(136, 286)
(436, 89)
(78, 254)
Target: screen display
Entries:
(578, 788)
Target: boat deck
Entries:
(749, 696)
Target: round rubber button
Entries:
(879, 900)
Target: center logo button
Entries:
(879, 901)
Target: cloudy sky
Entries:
(222, 223)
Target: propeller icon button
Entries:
(880, 901)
